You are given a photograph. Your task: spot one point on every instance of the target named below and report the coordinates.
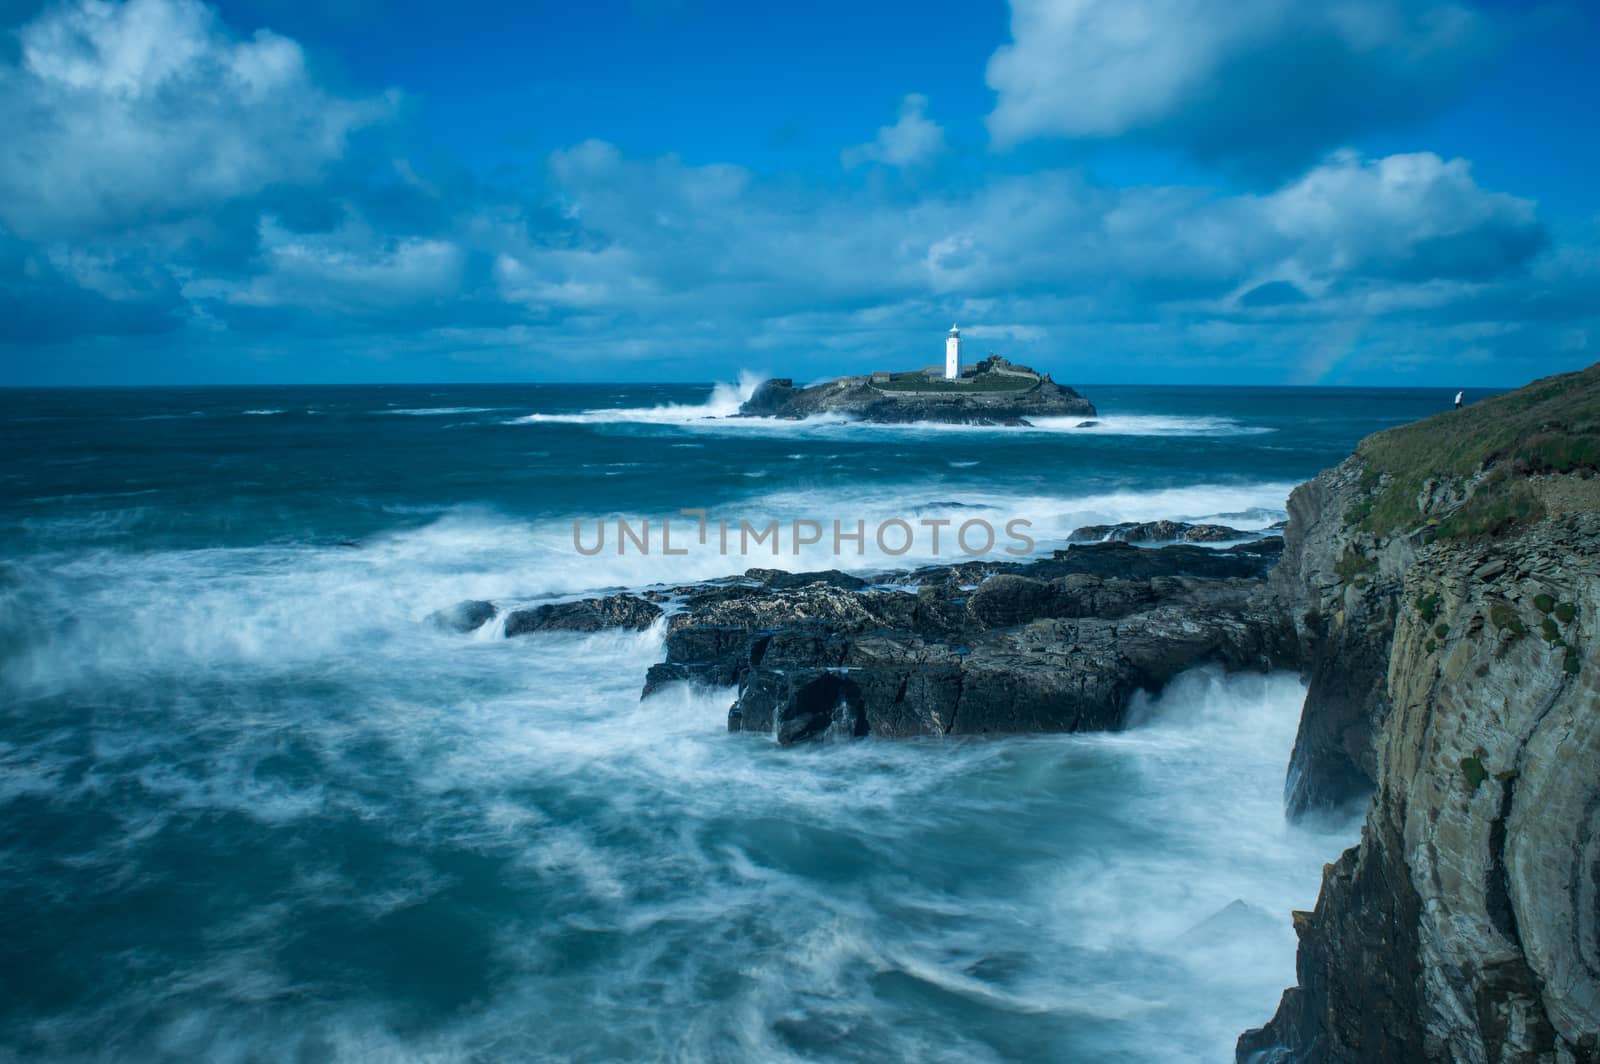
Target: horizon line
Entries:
(715, 383)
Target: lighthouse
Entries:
(952, 355)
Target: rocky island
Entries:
(1439, 591)
(993, 392)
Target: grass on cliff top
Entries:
(1549, 426)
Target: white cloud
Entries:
(1405, 216)
(913, 139)
(121, 115)
(145, 186)
(1268, 82)
(658, 241)
(348, 273)
(1024, 333)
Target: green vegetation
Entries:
(1428, 607)
(1358, 513)
(1353, 567)
(1550, 426)
(1472, 768)
(1499, 505)
(1566, 612)
(1505, 618)
(1441, 630)
(1430, 646)
(1571, 662)
(1560, 453)
(1543, 603)
(1550, 630)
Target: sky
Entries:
(1352, 192)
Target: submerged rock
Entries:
(465, 616)
(1238, 921)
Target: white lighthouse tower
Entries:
(952, 355)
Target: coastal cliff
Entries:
(1439, 590)
(995, 392)
(1445, 586)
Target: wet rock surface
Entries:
(1157, 532)
(585, 615)
(1059, 644)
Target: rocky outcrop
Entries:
(1445, 586)
(584, 615)
(1339, 585)
(1156, 532)
(1056, 645)
(997, 393)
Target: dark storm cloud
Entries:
(44, 301)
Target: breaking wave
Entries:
(258, 808)
(724, 401)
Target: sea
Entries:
(254, 806)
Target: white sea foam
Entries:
(337, 832)
(439, 411)
(1150, 425)
(627, 870)
(280, 606)
(715, 416)
(943, 900)
(724, 401)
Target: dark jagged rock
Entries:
(1340, 590)
(466, 616)
(770, 398)
(1059, 644)
(705, 654)
(1250, 559)
(995, 393)
(585, 615)
(779, 579)
(1156, 532)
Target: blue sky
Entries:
(1208, 191)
